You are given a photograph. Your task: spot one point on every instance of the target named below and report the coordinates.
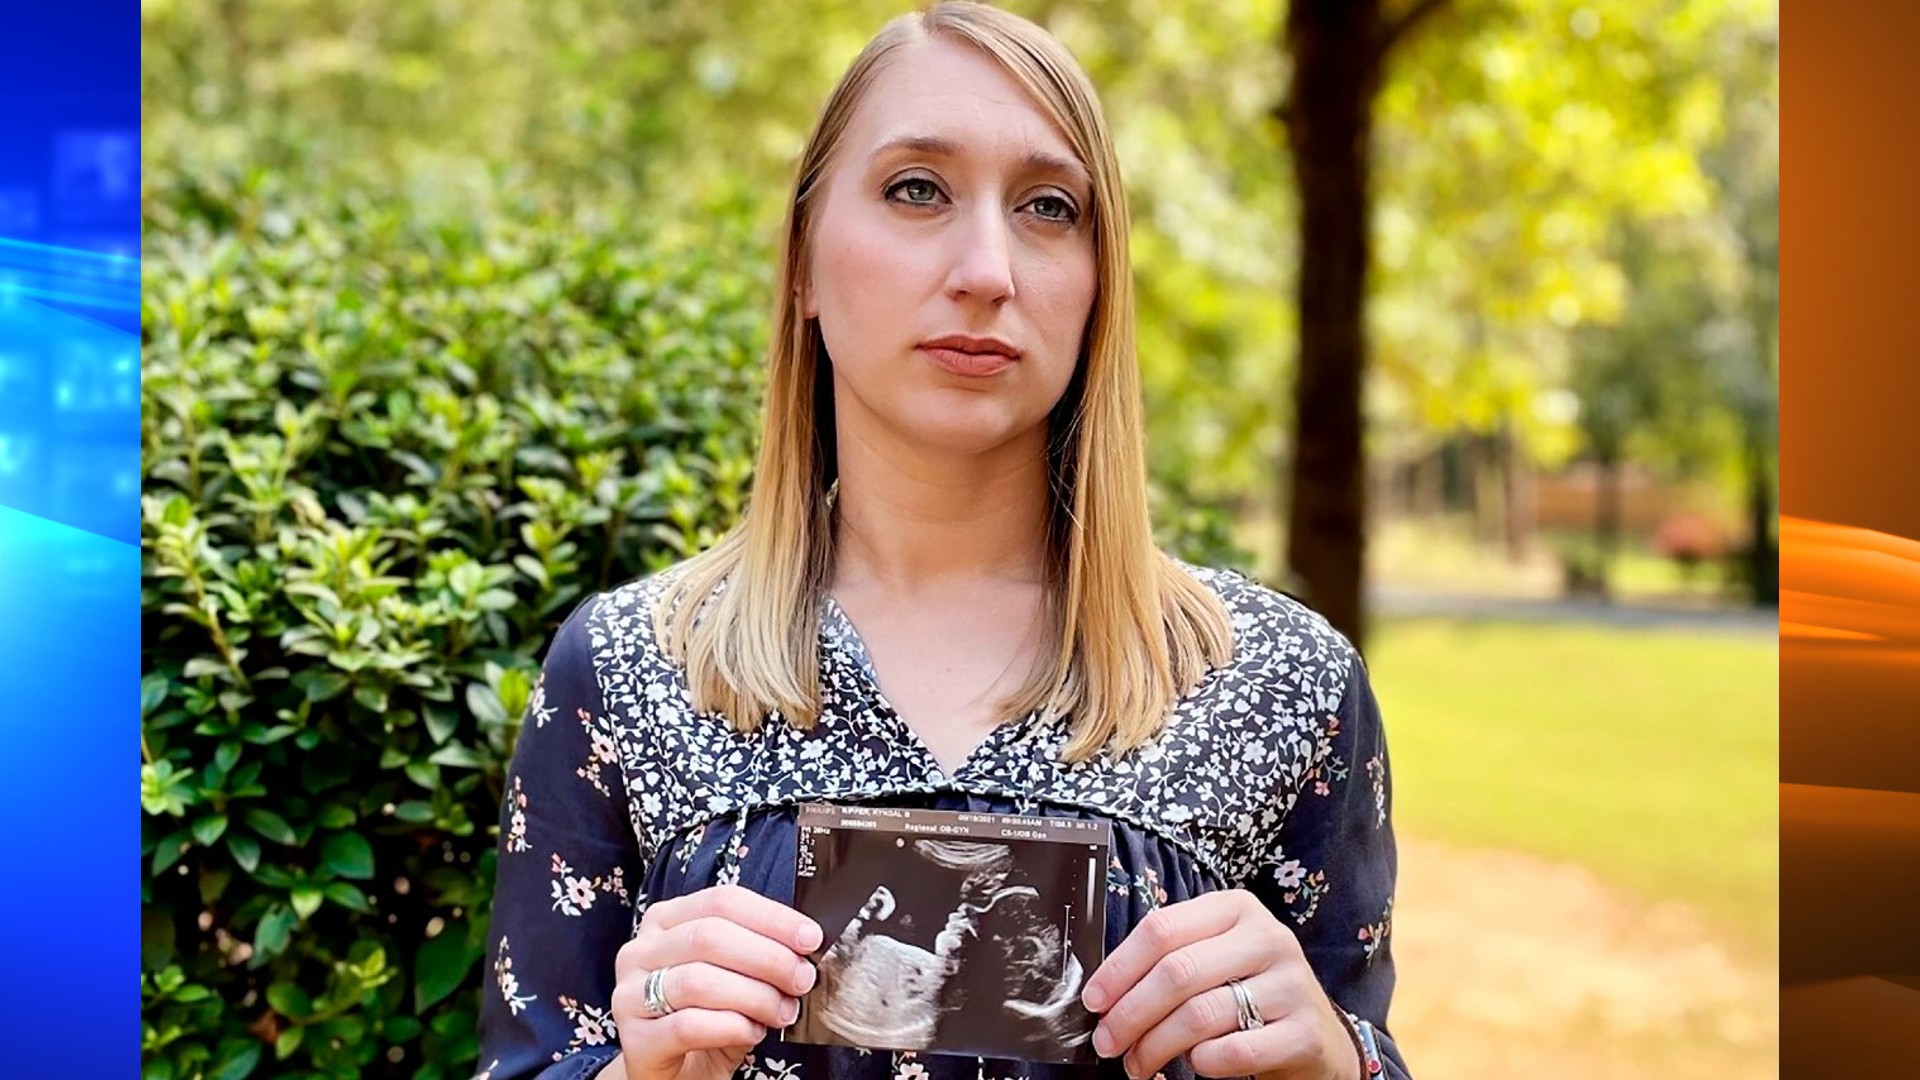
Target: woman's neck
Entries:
(912, 522)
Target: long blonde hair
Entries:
(1132, 631)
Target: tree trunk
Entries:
(1334, 45)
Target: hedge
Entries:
(385, 453)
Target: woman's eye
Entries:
(1054, 208)
(915, 190)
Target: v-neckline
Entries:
(856, 646)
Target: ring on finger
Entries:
(654, 990)
(1249, 1010)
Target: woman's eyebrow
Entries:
(937, 146)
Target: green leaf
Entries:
(274, 876)
(416, 811)
(288, 1042)
(441, 723)
(349, 896)
(241, 1065)
(335, 816)
(307, 900)
(245, 850)
(457, 756)
(153, 691)
(321, 685)
(203, 665)
(169, 850)
(371, 696)
(275, 929)
(424, 773)
(531, 567)
(442, 964)
(269, 824)
(497, 600)
(209, 828)
(289, 1000)
(485, 704)
(227, 756)
(347, 854)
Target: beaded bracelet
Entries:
(1365, 1043)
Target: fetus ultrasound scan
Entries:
(951, 932)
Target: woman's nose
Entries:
(983, 258)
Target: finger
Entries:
(706, 986)
(737, 904)
(661, 1043)
(716, 941)
(1210, 1014)
(1161, 932)
(1288, 1045)
(1187, 974)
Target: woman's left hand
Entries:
(1164, 993)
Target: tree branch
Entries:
(1394, 32)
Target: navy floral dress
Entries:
(1270, 776)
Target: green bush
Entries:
(385, 454)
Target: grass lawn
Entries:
(1649, 756)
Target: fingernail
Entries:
(803, 977)
(1133, 1072)
(809, 937)
(1093, 999)
(791, 1012)
(1102, 1042)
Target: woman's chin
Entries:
(969, 428)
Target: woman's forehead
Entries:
(938, 98)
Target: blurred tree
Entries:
(1517, 141)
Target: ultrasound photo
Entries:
(951, 932)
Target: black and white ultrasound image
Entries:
(951, 933)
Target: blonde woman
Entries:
(945, 595)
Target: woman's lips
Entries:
(972, 365)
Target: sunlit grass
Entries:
(1649, 756)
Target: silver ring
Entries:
(1250, 1017)
(655, 992)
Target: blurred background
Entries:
(453, 311)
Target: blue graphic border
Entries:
(69, 534)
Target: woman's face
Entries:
(952, 258)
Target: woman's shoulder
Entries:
(1276, 635)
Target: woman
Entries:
(951, 463)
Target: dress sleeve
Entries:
(568, 857)
(1330, 878)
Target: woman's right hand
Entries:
(736, 965)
